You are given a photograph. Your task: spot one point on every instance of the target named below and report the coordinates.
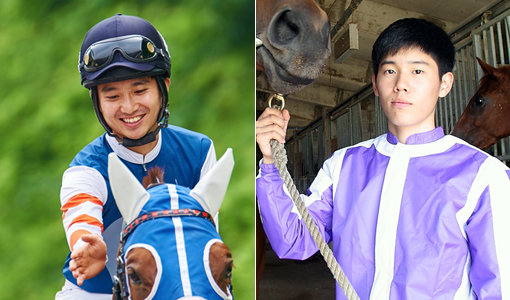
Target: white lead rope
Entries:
(280, 161)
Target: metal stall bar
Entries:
(507, 35)
(467, 84)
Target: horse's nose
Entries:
(291, 26)
(284, 28)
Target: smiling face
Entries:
(408, 87)
(130, 107)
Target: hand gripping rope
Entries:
(280, 161)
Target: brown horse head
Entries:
(295, 42)
(486, 117)
(170, 248)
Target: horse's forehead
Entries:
(169, 196)
(171, 232)
(503, 74)
(495, 82)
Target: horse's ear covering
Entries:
(129, 194)
(211, 188)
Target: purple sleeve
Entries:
(288, 235)
(484, 273)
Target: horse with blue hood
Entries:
(170, 247)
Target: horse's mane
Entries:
(154, 177)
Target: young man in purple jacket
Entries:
(411, 214)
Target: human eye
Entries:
(389, 71)
(111, 97)
(418, 72)
(140, 89)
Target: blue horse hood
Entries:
(179, 245)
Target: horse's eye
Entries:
(228, 275)
(133, 277)
(479, 101)
(228, 272)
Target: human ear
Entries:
(446, 84)
(374, 86)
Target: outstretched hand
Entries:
(89, 259)
(272, 124)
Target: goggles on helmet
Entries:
(135, 48)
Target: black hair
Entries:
(412, 32)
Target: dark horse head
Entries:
(486, 118)
(292, 42)
(170, 247)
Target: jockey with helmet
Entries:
(125, 64)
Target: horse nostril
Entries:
(284, 28)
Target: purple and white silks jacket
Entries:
(428, 219)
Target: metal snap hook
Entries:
(278, 97)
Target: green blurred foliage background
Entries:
(46, 117)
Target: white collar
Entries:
(132, 156)
(414, 150)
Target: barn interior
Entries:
(339, 109)
(354, 27)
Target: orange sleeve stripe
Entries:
(76, 236)
(79, 199)
(87, 219)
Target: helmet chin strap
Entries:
(147, 138)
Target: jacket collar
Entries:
(132, 156)
(419, 138)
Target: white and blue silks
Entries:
(423, 220)
(185, 156)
